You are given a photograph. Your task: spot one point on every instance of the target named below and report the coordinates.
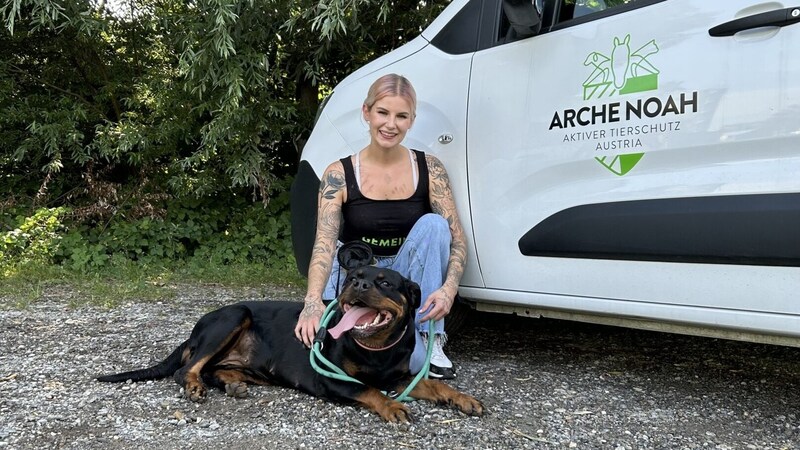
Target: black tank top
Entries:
(382, 224)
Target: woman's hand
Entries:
(437, 305)
(308, 323)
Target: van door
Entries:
(624, 160)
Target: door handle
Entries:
(777, 18)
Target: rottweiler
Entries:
(253, 342)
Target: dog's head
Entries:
(385, 301)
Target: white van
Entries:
(626, 162)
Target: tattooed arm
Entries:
(329, 216)
(443, 203)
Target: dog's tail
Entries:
(161, 370)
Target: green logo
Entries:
(620, 164)
(624, 71)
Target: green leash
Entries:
(335, 372)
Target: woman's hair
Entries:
(389, 85)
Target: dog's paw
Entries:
(195, 392)
(468, 405)
(395, 412)
(236, 389)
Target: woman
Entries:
(408, 193)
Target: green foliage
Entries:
(157, 135)
(34, 241)
(194, 232)
(185, 99)
(228, 241)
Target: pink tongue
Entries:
(349, 320)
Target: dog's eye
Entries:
(385, 283)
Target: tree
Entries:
(117, 107)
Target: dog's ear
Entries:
(354, 254)
(413, 293)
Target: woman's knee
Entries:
(429, 232)
(433, 223)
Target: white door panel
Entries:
(724, 121)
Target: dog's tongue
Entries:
(349, 320)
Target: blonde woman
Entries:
(400, 203)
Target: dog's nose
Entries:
(360, 284)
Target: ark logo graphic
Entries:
(624, 71)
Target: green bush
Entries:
(193, 233)
(228, 240)
(34, 239)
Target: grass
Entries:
(22, 286)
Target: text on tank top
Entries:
(382, 224)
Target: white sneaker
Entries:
(440, 367)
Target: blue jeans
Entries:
(422, 258)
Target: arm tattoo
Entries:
(443, 203)
(311, 310)
(329, 217)
(332, 183)
(440, 183)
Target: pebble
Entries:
(547, 384)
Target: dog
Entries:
(253, 342)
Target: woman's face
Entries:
(389, 120)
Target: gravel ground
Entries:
(547, 384)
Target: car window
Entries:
(521, 19)
(573, 9)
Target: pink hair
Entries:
(390, 85)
